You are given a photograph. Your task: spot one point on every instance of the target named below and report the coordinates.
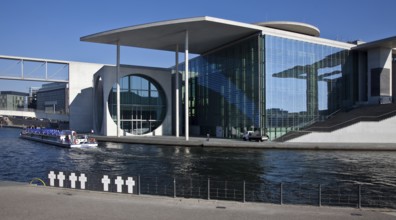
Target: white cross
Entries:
(119, 182)
(106, 182)
(73, 180)
(83, 179)
(61, 177)
(52, 178)
(130, 183)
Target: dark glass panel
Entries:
(224, 97)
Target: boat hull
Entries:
(43, 139)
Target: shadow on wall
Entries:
(81, 115)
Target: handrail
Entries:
(354, 119)
(332, 114)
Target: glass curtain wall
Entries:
(224, 90)
(305, 82)
(142, 104)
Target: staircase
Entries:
(347, 118)
(344, 119)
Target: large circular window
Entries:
(142, 104)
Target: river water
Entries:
(23, 160)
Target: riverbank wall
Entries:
(231, 143)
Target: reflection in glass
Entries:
(304, 83)
(224, 90)
(267, 83)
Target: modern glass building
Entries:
(11, 100)
(272, 77)
(53, 97)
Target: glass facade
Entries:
(142, 104)
(225, 90)
(305, 82)
(267, 83)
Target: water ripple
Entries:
(22, 160)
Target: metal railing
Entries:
(60, 112)
(344, 194)
(353, 121)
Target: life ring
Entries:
(76, 141)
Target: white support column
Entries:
(118, 89)
(186, 96)
(22, 74)
(46, 70)
(177, 121)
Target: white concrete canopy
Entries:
(297, 27)
(389, 43)
(198, 35)
(205, 33)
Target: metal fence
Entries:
(345, 195)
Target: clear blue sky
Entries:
(52, 28)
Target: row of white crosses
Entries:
(119, 182)
(129, 182)
(73, 179)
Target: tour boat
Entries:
(62, 138)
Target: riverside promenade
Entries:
(23, 201)
(235, 143)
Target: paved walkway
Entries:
(233, 143)
(21, 201)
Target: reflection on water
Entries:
(22, 160)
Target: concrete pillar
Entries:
(177, 119)
(186, 100)
(118, 90)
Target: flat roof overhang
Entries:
(205, 34)
(389, 43)
(291, 26)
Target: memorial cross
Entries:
(52, 178)
(106, 182)
(130, 183)
(83, 179)
(73, 179)
(61, 178)
(119, 182)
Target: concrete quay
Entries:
(233, 143)
(23, 201)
